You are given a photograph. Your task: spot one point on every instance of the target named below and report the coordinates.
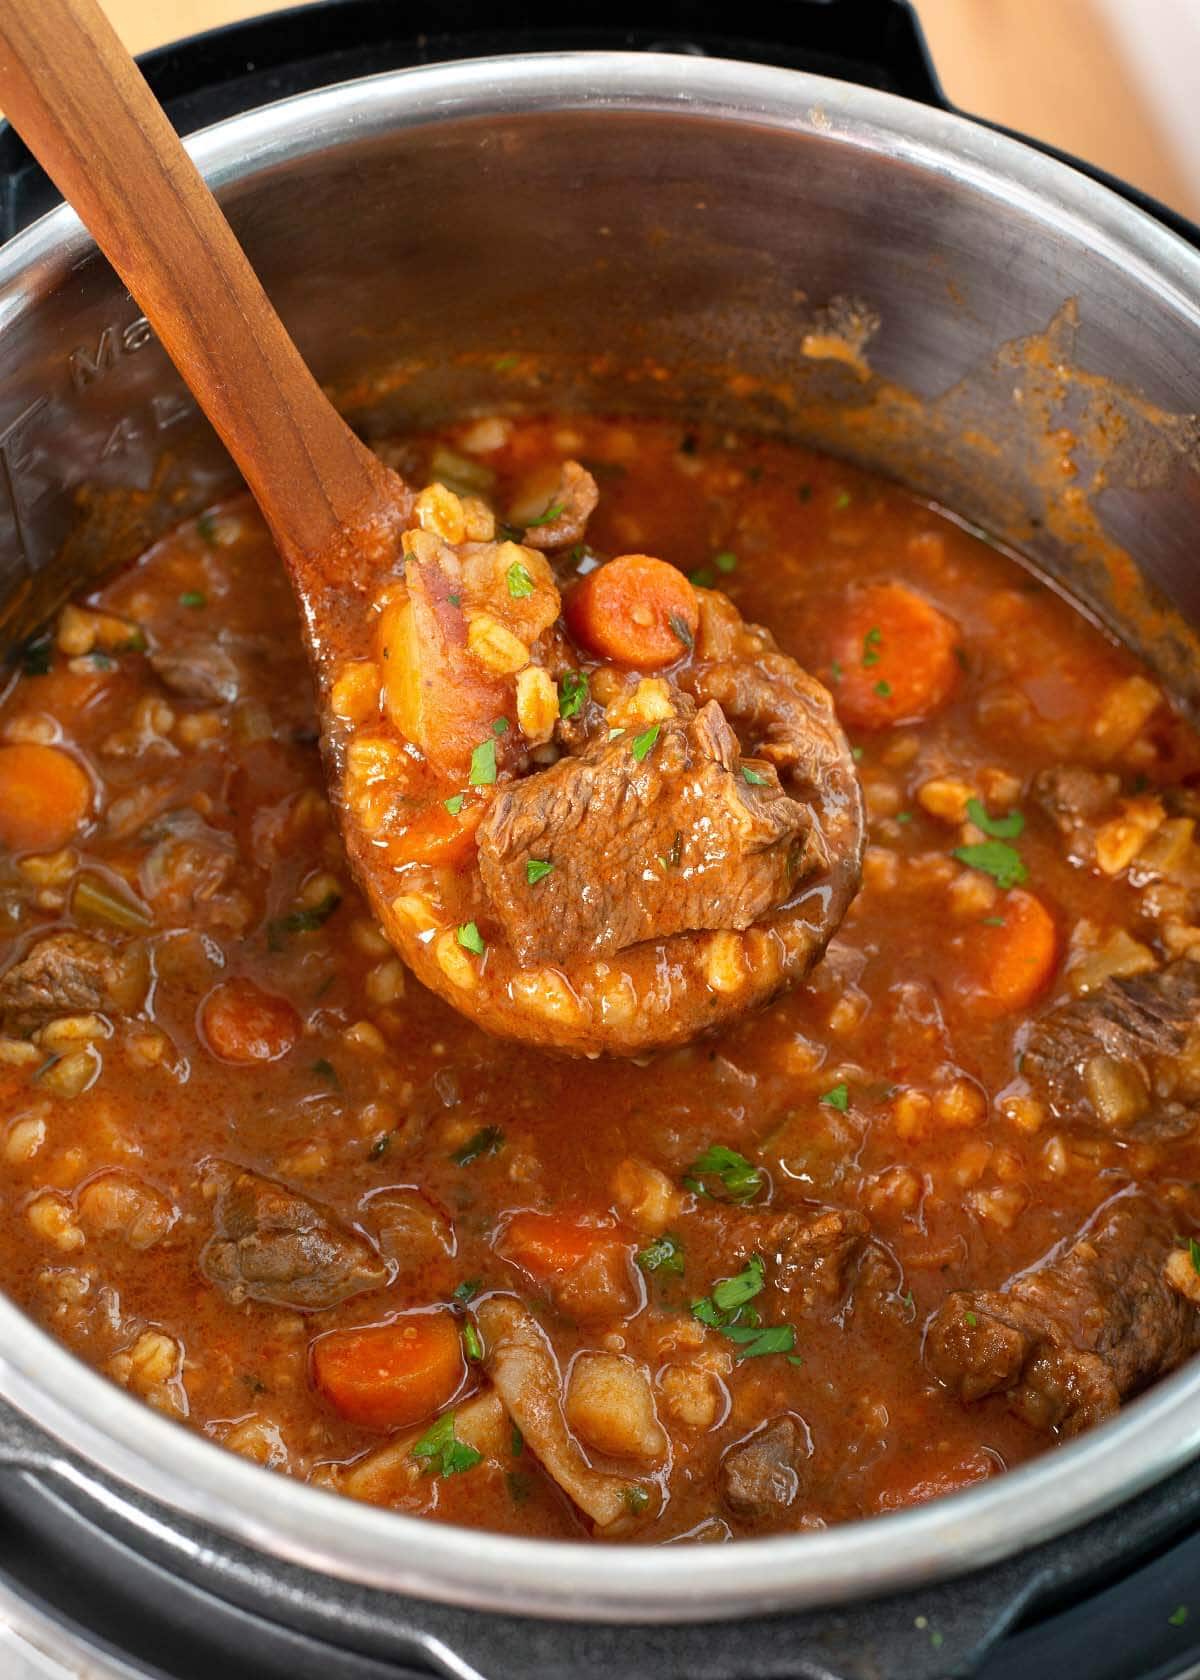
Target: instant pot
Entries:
(770, 216)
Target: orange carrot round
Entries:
(1011, 955)
(388, 1376)
(44, 797)
(241, 1023)
(894, 658)
(549, 1244)
(636, 611)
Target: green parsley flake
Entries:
(883, 688)
(838, 1097)
(500, 726)
(856, 753)
(734, 1292)
(193, 598)
(443, 1450)
(455, 803)
(703, 577)
(536, 869)
(643, 743)
(1007, 827)
(996, 859)
(971, 1319)
(737, 1175)
(487, 1141)
(904, 816)
(681, 631)
(324, 1069)
(472, 1346)
(753, 1343)
(1178, 1616)
(753, 777)
(470, 938)
(307, 920)
(547, 516)
(664, 1254)
(504, 363)
(637, 1498)
(871, 641)
(572, 693)
(483, 765)
(842, 501)
(726, 561)
(467, 1288)
(520, 584)
(206, 529)
(1194, 1254)
(993, 921)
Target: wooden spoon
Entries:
(80, 103)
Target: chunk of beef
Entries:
(1068, 1340)
(811, 1252)
(675, 841)
(71, 974)
(760, 1475)
(271, 1244)
(576, 497)
(1116, 1058)
(198, 668)
(1071, 795)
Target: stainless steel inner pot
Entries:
(684, 236)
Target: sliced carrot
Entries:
(1010, 956)
(391, 1375)
(439, 835)
(44, 797)
(636, 611)
(241, 1023)
(547, 1245)
(894, 658)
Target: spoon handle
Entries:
(82, 106)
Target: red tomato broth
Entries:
(386, 1086)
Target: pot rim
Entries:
(291, 1521)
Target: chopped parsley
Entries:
(643, 743)
(500, 726)
(753, 777)
(1007, 827)
(468, 1288)
(455, 803)
(1178, 1616)
(547, 516)
(1194, 1254)
(443, 1450)
(993, 921)
(838, 1097)
(472, 1346)
(37, 656)
(664, 1254)
(681, 631)
(487, 1141)
(454, 600)
(727, 1310)
(903, 816)
(842, 501)
(206, 529)
(193, 598)
(871, 641)
(856, 753)
(307, 920)
(703, 577)
(835, 670)
(670, 860)
(883, 688)
(470, 938)
(737, 1175)
(972, 1321)
(483, 765)
(637, 1498)
(726, 561)
(536, 869)
(994, 858)
(504, 363)
(520, 584)
(572, 693)
(325, 1069)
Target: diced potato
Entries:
(649, 1198)
(610, 1406)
